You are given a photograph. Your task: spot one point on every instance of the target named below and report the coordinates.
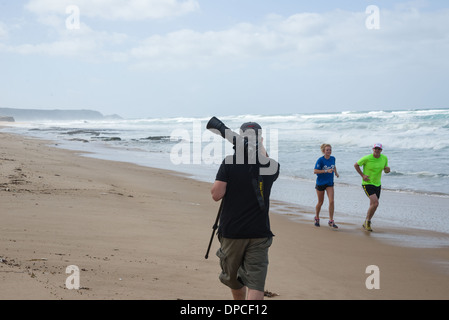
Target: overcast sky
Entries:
(167, 58)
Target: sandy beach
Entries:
(140, 233)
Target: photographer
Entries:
(244, 230)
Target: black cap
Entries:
(250, 125)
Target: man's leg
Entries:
(373, 204)
(253, 271)
(255, 294)
(239, 294)
(231, 254)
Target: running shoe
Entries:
(317, 222)
(332, 224)
(367, 226)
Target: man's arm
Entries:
(359, 171)
(218, 190)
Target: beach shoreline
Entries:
(403, 204)
(141, 233)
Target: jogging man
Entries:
(244, 230)
(373, 165)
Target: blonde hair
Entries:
(323, 147)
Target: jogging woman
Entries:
(325, 169)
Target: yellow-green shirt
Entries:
(373, 167)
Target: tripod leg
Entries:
(214, 227)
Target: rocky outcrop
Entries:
(7, 119)
(36, 114)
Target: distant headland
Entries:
(12, 114)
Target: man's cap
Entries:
(250, 125)
(378, 145)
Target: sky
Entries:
(195, 58)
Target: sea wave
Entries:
(414, 140)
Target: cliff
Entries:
(6, 119)
(36, 114)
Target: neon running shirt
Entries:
(373, 167)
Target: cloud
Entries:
(191, 48)
(3, 31)
(293, 41)
(406, 36)
(126, 10)
(336, 38)
(84, 43)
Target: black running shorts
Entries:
(372, 189)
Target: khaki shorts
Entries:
(244, 262)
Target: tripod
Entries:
(214, 227)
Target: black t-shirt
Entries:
(242, 216)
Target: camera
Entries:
(246, 145)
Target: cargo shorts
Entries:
(244, 262)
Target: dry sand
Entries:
(140, 233)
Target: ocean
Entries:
(414, 195)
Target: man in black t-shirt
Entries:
(244, 230)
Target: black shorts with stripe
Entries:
(372, 189)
